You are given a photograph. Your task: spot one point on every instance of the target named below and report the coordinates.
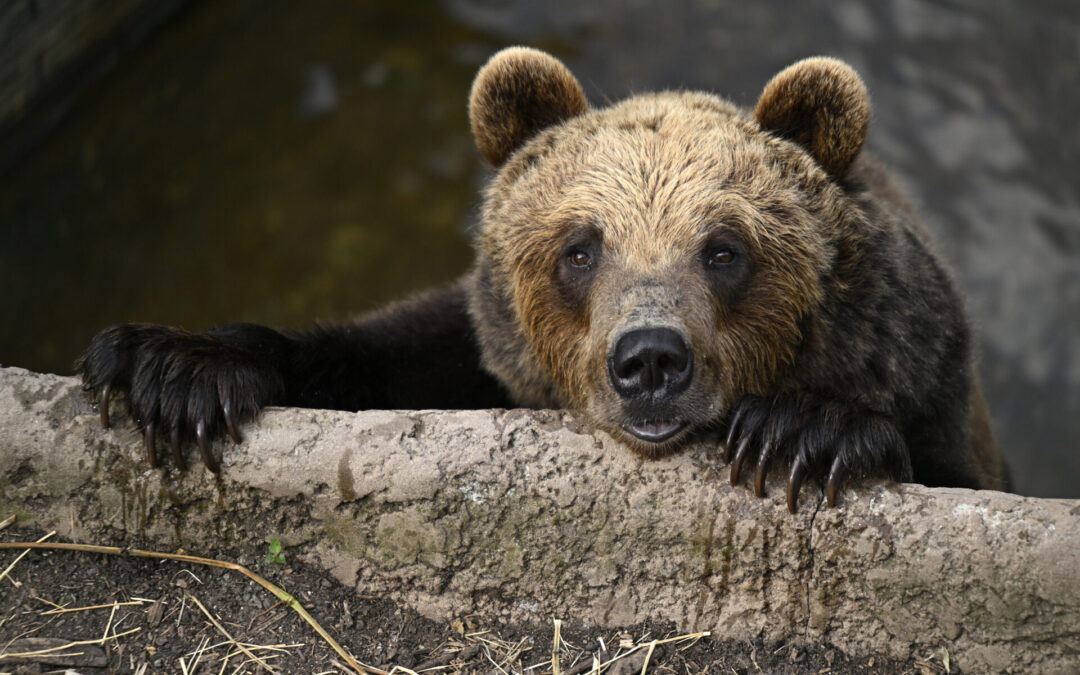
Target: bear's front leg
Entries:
(195, 387)
(185, 386)
(817, 436)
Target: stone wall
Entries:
(524, 515)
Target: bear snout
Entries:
(652, 364)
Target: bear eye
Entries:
(720, 257)
(579, 259)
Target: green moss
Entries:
(348, 533)
(7, 508)
(409, 536)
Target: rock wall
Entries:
(525, 515)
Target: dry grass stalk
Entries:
(197, 654)
(599, 667)
(501, 656)
(278, 592)
(504, 657)
(65, 610)
(21, 556)
(58, 650)
(645, 666)
(555, 647)
(229, 638)
(50, 603)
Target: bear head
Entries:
(652, 262)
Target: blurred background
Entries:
(195, 163)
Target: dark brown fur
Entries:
(756, 260)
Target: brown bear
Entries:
(670, 266)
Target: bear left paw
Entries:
(816, 436)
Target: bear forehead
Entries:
(673, 164)
(669, 112)
(647, 142)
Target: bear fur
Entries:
(671, 266)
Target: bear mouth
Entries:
(655, 431)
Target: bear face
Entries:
(654, 262)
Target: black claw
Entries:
(230, 423)
(104, 404)
(740, 455)
(177, 450)
(725, 453)
(733, 428)
(208, 459)
(795, 481)
(762, 470)
(148, 441)
(836, 478)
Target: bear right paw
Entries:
(817, 437)
(184, 386)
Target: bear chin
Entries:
(651, 439)
(656, 431)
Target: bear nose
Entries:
(651, 362)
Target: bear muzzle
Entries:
(649, 368)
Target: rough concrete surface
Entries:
(525, 515)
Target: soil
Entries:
(161, 623)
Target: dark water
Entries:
(280, 162)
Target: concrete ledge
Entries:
(524, 515)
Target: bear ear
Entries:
(517, 94)
(821, 104)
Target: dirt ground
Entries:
(138, 615)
